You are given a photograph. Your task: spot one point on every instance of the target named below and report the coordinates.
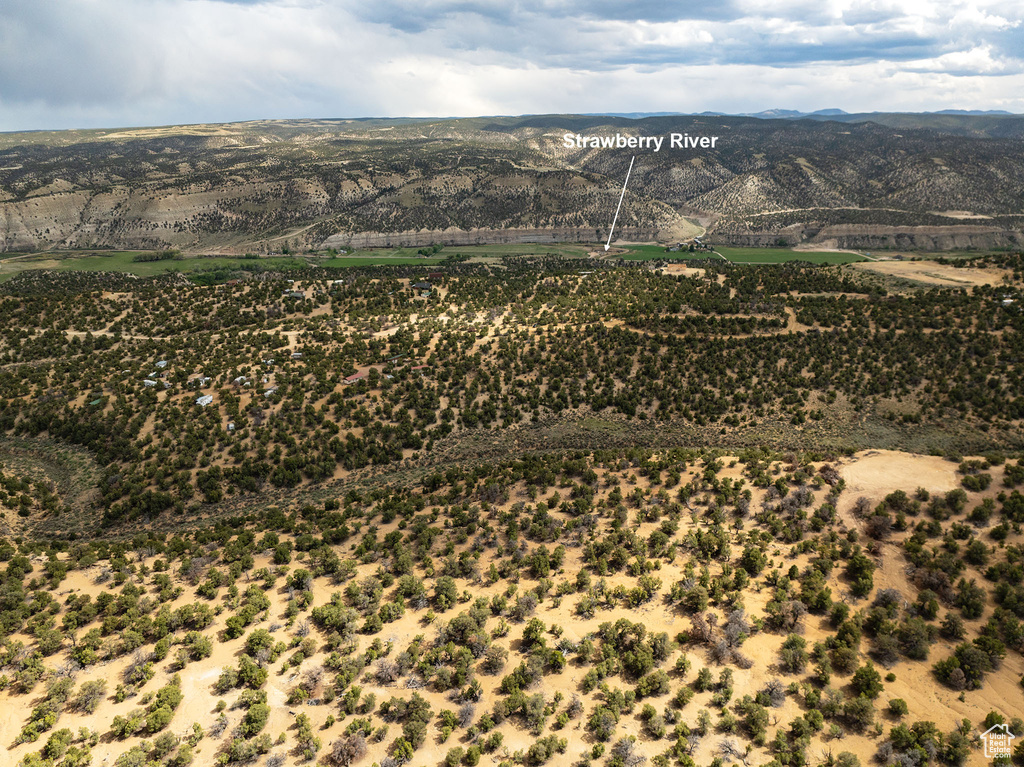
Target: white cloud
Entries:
(66, 63)
(973, 17)
(976, 61)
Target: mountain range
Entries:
(882, 180)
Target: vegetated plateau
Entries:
(503, 508)
(543, 510)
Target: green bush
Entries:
(867, 681)
(898, 707)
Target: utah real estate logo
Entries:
(998, 741)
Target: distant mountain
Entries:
(795, 114)
(767, 114)
(962, 122)
(633, 115)
(791, 114)
(773, 114)
(972, 112)
(993, 124)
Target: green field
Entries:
(656, 252)
(396, 255)
(782, 255)
(739, 255)
(342, 262)
(567, 249)
(122, 261)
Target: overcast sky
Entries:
(113, 63)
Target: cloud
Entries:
(68, 63)
(980, 60)
(973, 17)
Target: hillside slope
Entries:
(310, 184)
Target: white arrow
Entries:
(609, 243)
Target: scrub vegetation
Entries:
(541, 511)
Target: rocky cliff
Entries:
(257, 186)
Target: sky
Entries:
(118, 63)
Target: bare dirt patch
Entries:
(961, 214)
(686, 271)
(934, 273)
(875, 473)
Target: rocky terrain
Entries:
(265, 186)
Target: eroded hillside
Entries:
(314, 184)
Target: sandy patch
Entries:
(876, 473)
(934, 273)
(961, 214)
(686, 271)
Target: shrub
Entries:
(898, 707)
(347, 749)
(859, 713)
(655, 683)
(867, 681)
(967, 666)
(255, 719)
(793, 654)
(89, 696)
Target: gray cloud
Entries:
(67, 63)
